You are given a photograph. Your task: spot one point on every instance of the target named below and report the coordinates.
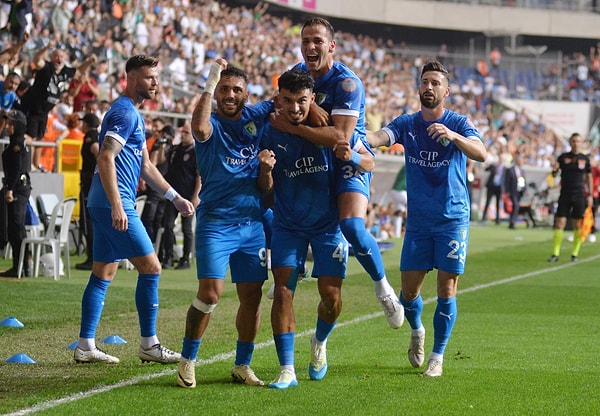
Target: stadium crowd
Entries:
(188, 35)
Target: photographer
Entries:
(155, 202)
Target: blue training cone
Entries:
(11, 321)
(73, 345)
(114, 339)
(20, 359)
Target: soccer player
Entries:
(118, 230)
(229, 228)
(437, 143)
(300, 178)
(341, 94)
(575, 174)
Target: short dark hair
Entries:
(232, 71)
(13, 74)
(435, 66)
(319, 21)
(140, 61)
(295, 80)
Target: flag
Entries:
(587, 224)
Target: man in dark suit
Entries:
(493, 189)
(514, 185)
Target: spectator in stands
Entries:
(8, 89)
(83, 87)
(52, 78)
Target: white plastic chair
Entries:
(61, 214)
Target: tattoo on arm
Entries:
(111, 145)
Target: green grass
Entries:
(526, 346)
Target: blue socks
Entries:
(323, 330)
(284, 343)
(146, 301)
(190, 348)
(243, 353)
(443, 322)
(92, 305)
(413, 311)
(364, 246)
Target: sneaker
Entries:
(183, 264)
(159, 354)
(186, 373)
(416, 350)
(393, 310)
(574, 259)
(317, 368)
(553, 259)
(434, 369)
(285, 379)
(244, 374)
(94, 356)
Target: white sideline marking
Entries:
(228, 355)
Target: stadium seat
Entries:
(62, 213)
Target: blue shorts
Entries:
(329, 250)
(445, 251)
(352, 180)
(239, 246)
(111, 245)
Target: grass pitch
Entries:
(525, 343)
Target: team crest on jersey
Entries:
(581, 164)
(186, 157)
(250, 128)
(320, 99)
(349, 85)
(444, 141)
(463, 234)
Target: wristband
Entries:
(213, 78)
(171, 194)
(355, 159)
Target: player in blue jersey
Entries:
(437, 143)
(229, 229)
(118, 230)
(299, 176)
(341, 94)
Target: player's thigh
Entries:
(215, 243)
(451, 250)
(330, 254)
(111, 245)
(417, 251)
(248, 264)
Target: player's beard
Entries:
(431, 101)
(229, 111)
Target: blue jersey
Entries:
(341, 92)
(304, 181)
(124, 123)
(436, 172)
(7, 99)
(228, 167)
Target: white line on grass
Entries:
(228, 355)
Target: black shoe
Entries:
(9, 273)
(86, 265)
(167, 264)
(553, 259)
(511, 227)
(183, 264)
(574, 259)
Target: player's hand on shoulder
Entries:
(279, 122)
(318, 116)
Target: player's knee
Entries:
(203, 307)
(352, 228)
